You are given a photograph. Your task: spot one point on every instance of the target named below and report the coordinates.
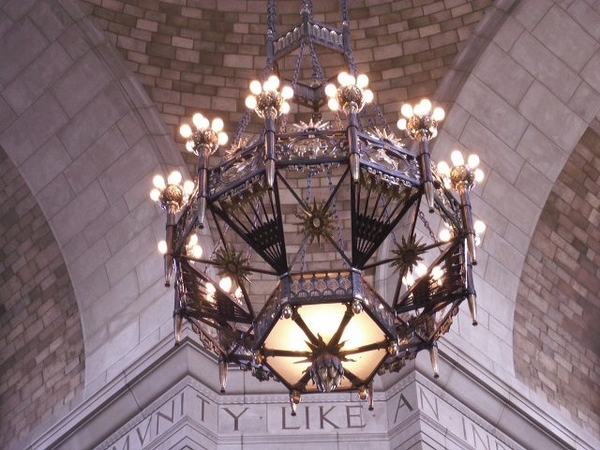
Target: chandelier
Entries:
(303, 217)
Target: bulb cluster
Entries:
(461, 175)
(352, 94)
(206, 135)
(266, 99)
(420, 121)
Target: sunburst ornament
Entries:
(408, 254)
(317, 221)
(319, 125)
(386, 136)
(232, 263)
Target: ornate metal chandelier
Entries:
(302, 218)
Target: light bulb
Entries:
(285, 108)
(368, 96)
(425, 106)
(406, 111)
(162, 247)
(438, 114)
(333, 104)
(226, 284)
(473, 161)
(287, 92)
(418, 110)
(174, 177)
(200, 121)
(193, 240)
(351, 80)
(457, 158)
(255, 87)
(155, 195)
(210, 288)
(408, 280)
(251, 102)
(238, 292)
(188, 187)
(185, 131)
(217, 124)
(443, 168)
(437, 272)
(271, 84)
(159, 182)
(479, 226)
(222, 138)
(479, 176)
(189, 146)
(342, 78)
(445, 235)
(401, 124)
(196, 251)
(330, 90)
(362, 81)
(420, 270)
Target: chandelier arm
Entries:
(426, 175)
(366, 348)
(304, 327)
(335, 339)
(196, 322)
(267, 352)
(247, 301)
(335, 190)
(339, 249)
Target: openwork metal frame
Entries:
(288, 197)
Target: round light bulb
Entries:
(226, 284)
(479, 226)
(362, 81)
(200, 121)
(255, 87)
(185, 130)
(437, 272)
(174, 177)
(420, 270)
(210, 289)
(401, 124)
(438, 114)
(222, 138)
(271, 84)
(425, 106)
(408, 280)
(287, 92)
(343, 78)
(473, 161)
(193, 239)
(418, 110)
(159, 182)
(188, 187)
(196, 251)
(217, 124)
(333, 104)
(155, 195)
(368, 96)
(406, 110)
(479, 176)
(285, 108)
(457, 158)
(445, 235)
(443, 168)
(190, 147)
(330, 90)
(162, 247)
(251, 102)
(238, 292)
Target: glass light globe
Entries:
(196, 251)
(401, 124)
(162, 247)
(333, 104)
(188, 187)
(185, 131)
(251, 102)
(420, 270)
(406, 110)
(408, 280)
(255, 87)
(438, 114)
(443, 168)
(226, 284)
(155, 195)
(210, 288)
(222, 138)
(445, 235)
(271, 84)
(368, 96)
(285, 108)
(425, 106)
(479, 176)
(343, 78)
(193, 239)
(362, 81)
(287, 92)
(457, 158)
(479, 226)
(174, 177)
(200, 121)
(330, 90)
(189, 146)
(418, 110)
(217, 124)
(159, 182)
(473, 161)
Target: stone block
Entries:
(542, 108)
(45, 164)
(506, 254)
(546, 67)
(89, 262)
(530, 13)
(535, 185)
(86, 79)
(540, 151)
(129, 256)
(572, 44)
(78, 213)
(19, 47)
(591, 72)
(586, 17)
(37, 77)
(492, 111)
(126, 229)
(51, 19)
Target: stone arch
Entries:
(86, 139)
(525, 116)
